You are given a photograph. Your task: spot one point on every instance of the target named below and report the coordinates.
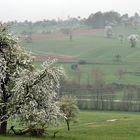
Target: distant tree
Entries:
(88, 79)
(135, 21)
(99, 85)
(121, 38)
(120, 72)
(78, 75)
(125, 19)
(71, 36)
(68, 105)
(96, 20)
(99, 19)
(74, 67)
(67, 32)
(125, 16)
(112, 18)
(108, 31)
(136, 15)
(133, 38)
(117, 57)
(99, 81)
(129, 96)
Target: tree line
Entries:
(95, 20)
(104, 97)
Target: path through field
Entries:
(59, 58)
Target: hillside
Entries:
(91, 46)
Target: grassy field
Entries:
(98, 126)
(94, 47)
(91, 45)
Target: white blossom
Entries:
(30, 94)
(108, 32)
(133, 39)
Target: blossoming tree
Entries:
(133, 39)
(108, 31)
(26, 94)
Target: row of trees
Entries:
(95, 20)
(107, 102)
(111, 18)
(99, 19)
(102, 96)
(107, 98)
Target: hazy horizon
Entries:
(34, 10)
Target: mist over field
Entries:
(70, 70)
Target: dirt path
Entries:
(60, 58)
(61, 36)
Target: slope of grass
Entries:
(91, 47)
(95, 49)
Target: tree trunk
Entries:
(3, 125)
(68, 125)
(3, 128)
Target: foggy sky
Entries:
(52, 9)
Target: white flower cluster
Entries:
(108, 32)
(3, 68)
(37, 91)
(133, 39)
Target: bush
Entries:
(82, 62)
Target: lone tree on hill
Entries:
(133, 39)
(118, 57)
(26, 94)
(67, 32)
(121, 38)
(108, 31)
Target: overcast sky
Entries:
(48, 9)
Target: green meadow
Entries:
(97, 126)
(98, 51)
